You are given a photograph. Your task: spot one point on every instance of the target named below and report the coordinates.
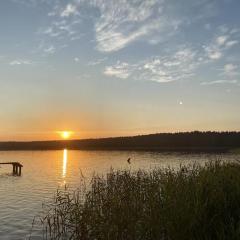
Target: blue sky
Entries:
(109, 68)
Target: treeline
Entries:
(182, 141)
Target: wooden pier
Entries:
(17, 167)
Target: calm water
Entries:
(44, 171)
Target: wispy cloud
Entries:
(170, 68)
(213, 53)
(69, 10)
(111, 26)
(230, 44)
(230, 69)
(20, 62)
(120, 70)
(50, 50)
(123, 22)
(118, 23)
(216, 49)
(220, 82)
(96, 62)
(221, 40)
(179, 65)
(59, 29)
(33, 2)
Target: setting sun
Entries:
(65, 134)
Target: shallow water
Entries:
(21, 198)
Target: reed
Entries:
(193, 202)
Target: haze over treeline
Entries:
(180, 141)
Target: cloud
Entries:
(120, 70)
(109, 39)
(97, 62)
(50, 50)
(230, 69)
(32, 3)
(176, 65)
(117, 23)
(221, 40)
(231, 43)
(123, 22)
(20, 62)
(180, 65)
(217, 47)
(214, 50)
(114, 25)
(70, 9)
(213, 53)
(59, 29)
(51, 32)
(220, 82)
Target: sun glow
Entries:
(65, 134)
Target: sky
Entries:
(103, 68)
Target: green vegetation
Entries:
(190, 203)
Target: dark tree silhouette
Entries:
(182, 141)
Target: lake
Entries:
(21, 198)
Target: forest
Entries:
(181, 141)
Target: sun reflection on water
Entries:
(65, 159)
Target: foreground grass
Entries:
(191, 203)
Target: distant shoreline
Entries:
(166, 150)
(161, 142)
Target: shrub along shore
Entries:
(192, 202)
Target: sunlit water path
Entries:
(44, 171)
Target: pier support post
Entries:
(17, 169)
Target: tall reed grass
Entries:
(190, 203)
